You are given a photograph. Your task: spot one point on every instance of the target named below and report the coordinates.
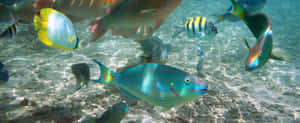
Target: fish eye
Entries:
(187, 81)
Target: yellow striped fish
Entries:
(198, 27)
(10, 32)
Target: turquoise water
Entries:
(41, 88)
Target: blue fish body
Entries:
(157, 84)
(113, 115)
(4, 75)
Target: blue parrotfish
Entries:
(198, 27)
(4, 75)
(250, 7)
(155, 51)
(115, 114)
(55, 29)
(157, 84)
(81, 72)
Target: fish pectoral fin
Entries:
(162, 109)
(245, 42)
(128, 94)
(278, 54)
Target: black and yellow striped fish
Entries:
(198, 27)
(10, 32)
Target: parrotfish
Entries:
(55, 29)
(198, 27)
(251, 7)
(157, 84)
(113, 115)
(261, 51)
(82, 74)
(134, 14)
(4, 75)
(155, 51)
(260, 26)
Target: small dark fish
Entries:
(113, 115)
(4, 75)
(155, 50)
(82, 73)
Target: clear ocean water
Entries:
(41, 85)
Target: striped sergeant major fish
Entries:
(10, 31)
(198, 27)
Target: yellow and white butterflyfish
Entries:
(55, 29)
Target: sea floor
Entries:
(41, 85)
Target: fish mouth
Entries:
(200, 91)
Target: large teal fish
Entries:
(81, 72)
(260, 26)
(113, 115)
(157, 84)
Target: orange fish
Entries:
(127, 17)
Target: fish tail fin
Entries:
(178, 31)
(97, 28)
(106, 75)
(237, 10)
(279, 54)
